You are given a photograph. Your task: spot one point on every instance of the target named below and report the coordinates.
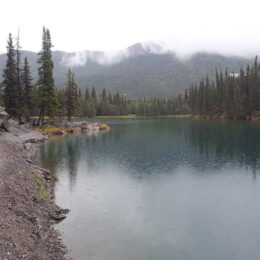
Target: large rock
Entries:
(5, 122)
(4, 115)
(8, 126)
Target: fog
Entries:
(80, 58)
(226, 27)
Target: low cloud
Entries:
(182, 49)
(80, 58)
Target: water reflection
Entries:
(160, 189)
(159, 146)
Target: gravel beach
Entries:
(27, 208)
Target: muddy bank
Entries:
(27, 209)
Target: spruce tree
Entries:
(86, 94)
(20, 90)
(28, 89)
(72, 99)
(47, 93)
(104, 95)
(93, 94)
(10, 81)
(1, 95)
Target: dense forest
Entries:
(234, 95)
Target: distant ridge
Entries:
(141, 70)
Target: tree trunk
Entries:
(69, 116)
(39, 119)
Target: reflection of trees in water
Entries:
(227, 142)
(64, 151)
(159, 146)
(51, 155)
(73, 146)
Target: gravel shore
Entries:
(27, 209)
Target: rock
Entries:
(7, 125)
(30, 161)
(30, 150)
(59, 214)
(5, 122)
(69, 125)
(4, 115)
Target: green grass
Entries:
(115, 117)
(178, 116)
(54, 118)
(40, 181)
(134, 116)
(121, 117)
(51, 130)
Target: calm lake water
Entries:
(160, 190)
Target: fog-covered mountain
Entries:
(142, 70)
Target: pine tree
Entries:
(28, 89)
(20, 90)
(47, 94)
(72, 100)
(104, 95)
(1, 95)
(86, 94)
(77, 95)
(93, 94)
(10, 81)
(110, 99)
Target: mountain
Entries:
(139, 71)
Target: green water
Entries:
(160, 189)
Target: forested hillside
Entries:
(141, 73)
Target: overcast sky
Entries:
(230, 26)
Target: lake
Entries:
(160, 189)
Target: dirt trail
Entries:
(27, 208)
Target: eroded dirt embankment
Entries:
(27, 208)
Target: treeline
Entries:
(24, 99)
(91, 104)
(231, 95)
(234, 95)
(20, 97)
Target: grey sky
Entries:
(228, 26)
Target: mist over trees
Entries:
(230, 95)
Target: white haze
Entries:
(228, 27)
(80, 58)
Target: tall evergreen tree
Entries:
(93, 94)
(28, 89)
(20, 90)
(87, 94)
(72, 100)
(1, 95)
(47, 94)
(104, 94)
(10, 81)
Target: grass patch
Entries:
(71, 130)
(120, 117)
(51, 130)
(54, 118)
(178, 116)
(134, 116)
(39, 179)
(103, 127)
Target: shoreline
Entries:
(28, 211)
(197, 117)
